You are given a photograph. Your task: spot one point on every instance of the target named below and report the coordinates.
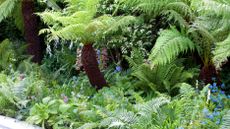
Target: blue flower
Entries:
(211, 117)
(118, 68)
(205, 111)
(222, 92)
(214, 91)
(210, 86)
(222, 85)
(98, 61)
(216, 113)
(218, 121)
(214, 85)
(98, 52)
(203, 122)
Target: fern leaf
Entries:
(152, 106)
(6, 8)
(169, 45)
(222, 52)
(226, 121)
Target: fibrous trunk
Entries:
(207, 74)
(90, 64)
(31, 31)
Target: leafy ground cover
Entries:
(119, 64)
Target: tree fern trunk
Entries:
(207, 73)
(31, 30)
(91, 68)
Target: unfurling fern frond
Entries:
(170, 44)
(222, 52)
(226, 121)
(6, 8)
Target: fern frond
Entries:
(152, 106)
(71, 32)
(18, 18)
(119, 119)
(121, 22)
(226, 121)
(219, 8)
(169, 45)
(6, 8)
(222, 52)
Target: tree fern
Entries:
(169, 45)
(82, 24)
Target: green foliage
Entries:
(163, 78)
(79, 22)
(6, 8)
(222, 52)
(168, 45)
(226, 120)
(18, 90)
(7, 55)
(10, 56)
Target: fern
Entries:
(169, 45)
(222, 52)
(226, 121)
(79, 22)
(6, 8)
(162, 78)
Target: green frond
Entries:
(226, 121)
(6, 8)
(169, 45)
(71, 32)
(136, 59)
(121, 22)
(163, 78)
(172, 15)
(82, 24)
(151, 7)
(222, 52)
(180, 7)
(18, 18)
(49, 17)
(219, 8)
(152, 106)
(119, 119)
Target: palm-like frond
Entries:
(81, 24)
(222, 52)
(174, 10)
(6, 8)
(169, 45)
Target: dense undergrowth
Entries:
(165, 63)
